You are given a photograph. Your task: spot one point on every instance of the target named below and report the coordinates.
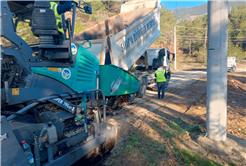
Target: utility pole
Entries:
(174, 47)
(190, 46)
(205, 39)
(217, 70)
(205, 43)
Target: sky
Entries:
(174, 4)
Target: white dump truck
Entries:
(122, 39)
(231, 64)
(155, 58)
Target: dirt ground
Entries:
(164, 132)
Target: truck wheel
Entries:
(111, 101)
(132, 97)
(142, 87)
(234, 68)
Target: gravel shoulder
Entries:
(165, 132)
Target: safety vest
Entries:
(53, 6)
(160, 76)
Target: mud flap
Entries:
(142, 86)
(168, 78)
(11, 151)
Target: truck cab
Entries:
(231, 64)
(155, 57)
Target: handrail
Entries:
(25, 109)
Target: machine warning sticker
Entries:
(53, 69)
(74, 48)
(66, 73)
(15, 91)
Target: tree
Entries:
(237, 32)
(168, 20)
(192, 35)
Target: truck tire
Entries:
(131, 97)
(234, 68)
(111, 100)
(168, 78)
(142, 87)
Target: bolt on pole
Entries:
(217, 70)
(174, 47)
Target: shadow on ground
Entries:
(166, 132)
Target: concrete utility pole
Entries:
(217, 70)
(174, 47)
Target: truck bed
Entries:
(112, 25)
(123, 38)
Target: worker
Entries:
(58, 9)
(161, 76)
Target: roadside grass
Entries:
(186, 126)
(243, 131)
(157, 144)
(194, 158)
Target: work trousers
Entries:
(161, 86)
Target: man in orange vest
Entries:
(161, 76)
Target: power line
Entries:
(190, 27)
(238, 37)
(206, 28)
(200, 36)
(236, 29)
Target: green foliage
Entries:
(24, 31)
(232, 164)
(101, 10)
(97, 6)
(133, 69)
(237, 20)
(174, 130)
(194, 158)
(234, 50)
(168, 20)
(191, 35)
(194, 128)
(202, 55)
(78, 27)
(136, 144)
(134, 138)
(182, 126)
(192, 40)
(112, 6)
